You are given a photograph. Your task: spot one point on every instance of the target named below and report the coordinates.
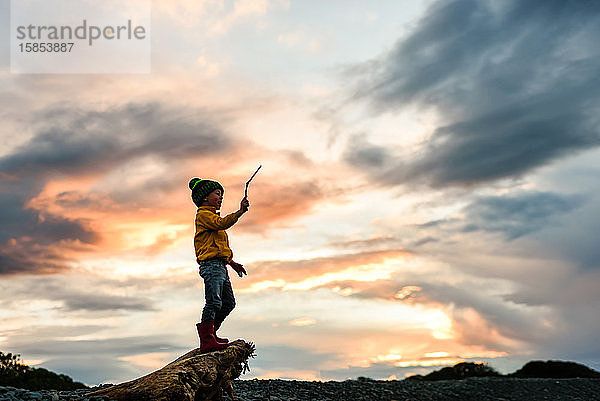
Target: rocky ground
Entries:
(17, 394)
(367, 390)
(468, 389)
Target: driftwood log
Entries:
(191, 377)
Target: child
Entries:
(213, 255)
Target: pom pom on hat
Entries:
(202, 188)
(193, 182)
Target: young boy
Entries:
(214, 255)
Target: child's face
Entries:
(215, 198)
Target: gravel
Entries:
(368, 390)
(19, 394)
(468, 389)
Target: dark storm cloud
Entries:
(10, 263)
(69, 142)
(517, 215)
(517, 83)
(29, 257)
(48, 228)
(77, 140)
(14, 193)
(27, 235)
(573, 236)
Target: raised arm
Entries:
(215, 222)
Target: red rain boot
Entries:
(219, 339)
(208, 342)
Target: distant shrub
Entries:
(459, 371)
(15, 374)
(532, 369)
(554, 370)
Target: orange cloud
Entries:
(155, 212)
(312, 273)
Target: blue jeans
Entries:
(218, 293)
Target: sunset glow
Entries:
(428, 190)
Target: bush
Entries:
(459, 371)
(15, 374)
(554, 370)
(10, 365)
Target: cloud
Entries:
(104, 302)
(517, 215)
(479, 309)
(277, 201)
(106, 295)
(71, 140)
(574, 301)
(363, 154)
(480, 317)
(573, 237)
(53, 331)
(515, 84)
(369, 243)
(74, 142)
(546, 225)
(25, 256)
(28, 236)
(93, 370)
(288, 358)
(479, 298)
(116, 346)
(242, 9)
(88, 180)
(215, 16)
(88, 358)
(305, 274)
(300, 39)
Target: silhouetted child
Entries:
(214, 255)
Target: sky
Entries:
(429, 191)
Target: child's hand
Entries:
(238, 268)
(244, 205)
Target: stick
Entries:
(248, 182)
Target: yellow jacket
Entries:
(211, 240)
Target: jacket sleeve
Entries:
(211, 221)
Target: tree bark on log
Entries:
(191, 377)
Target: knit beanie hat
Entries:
(202, 188)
